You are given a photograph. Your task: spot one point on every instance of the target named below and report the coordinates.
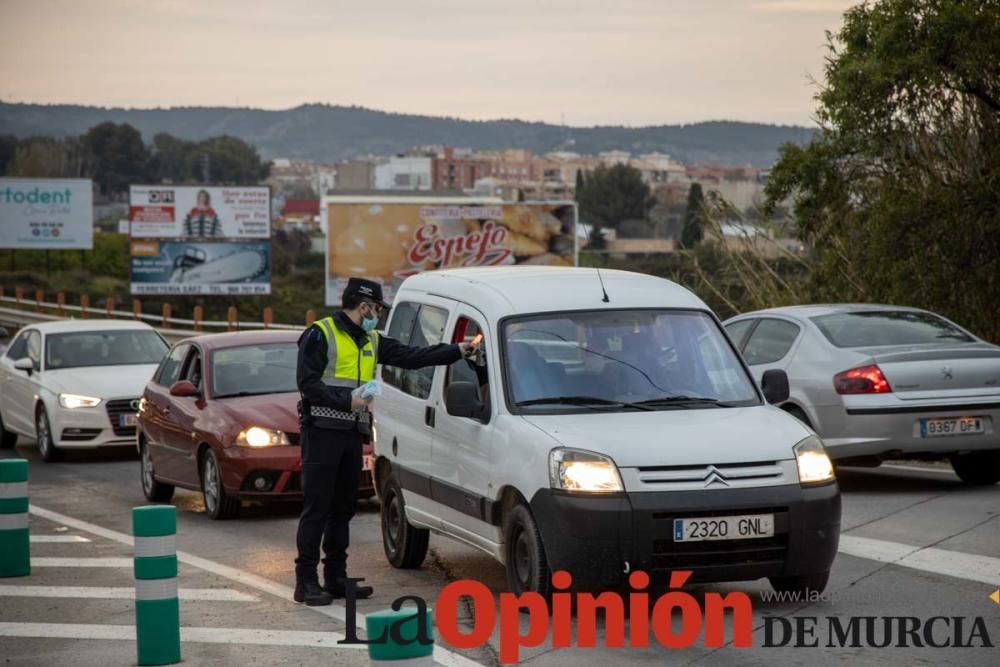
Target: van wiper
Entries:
(681, 400)
(582, 400)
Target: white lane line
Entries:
(262, 637)
(938, 471)
(929, 559)
(121, 593)
(442, 655)
(53, 539)
(82, 562)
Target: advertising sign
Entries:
(388, 241)
(164, 211)
(54, 213)
(181, 267)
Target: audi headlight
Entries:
(72, 401)
(580, 471)
(814, 465)
(257, 436)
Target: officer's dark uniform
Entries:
(332, 435)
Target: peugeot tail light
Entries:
(863, 380)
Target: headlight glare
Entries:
(582, 471)
(72, 401)
(813, 463)
(258, 436)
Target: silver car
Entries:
(882, 382)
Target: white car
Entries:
(607, 425)
(75, 384)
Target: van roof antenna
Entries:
(605, 299)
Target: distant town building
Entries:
(405, 172)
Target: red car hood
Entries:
(276, 411)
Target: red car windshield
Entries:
(254, 369)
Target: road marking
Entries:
(82, 562)
(985, 569)
(938, 471)
(121, 593)
(261, 637)
(51, 539)
(442, 655)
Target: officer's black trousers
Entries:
(331, 472)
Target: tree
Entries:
(116, 155)
(609, 195)
(899, 195)
(694, 225)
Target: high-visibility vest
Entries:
(347, 365)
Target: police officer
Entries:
(337, 355)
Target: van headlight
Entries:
(257, 436)
(814, 465)
(581, 471)
(73, 401)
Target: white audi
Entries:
(75, 384)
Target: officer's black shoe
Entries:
(311, 594)
(336, 588)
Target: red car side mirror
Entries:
(183, 388)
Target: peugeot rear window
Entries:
(888, 327)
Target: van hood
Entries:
(104, 382)
(679, 437)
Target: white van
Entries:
(608, 425)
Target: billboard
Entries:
(53, 213)
(191, 267)
(166, 212)
(388, 241)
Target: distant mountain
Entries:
(333, 133)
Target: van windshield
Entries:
(622, 360)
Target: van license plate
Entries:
(747, 526)
(936, 428)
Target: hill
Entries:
(331, 133)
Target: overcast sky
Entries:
(632, 62)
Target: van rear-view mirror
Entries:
(462, 400)
(774, 384)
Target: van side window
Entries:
(422, 327)
(770, 341)
(472, 370)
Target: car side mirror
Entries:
(183, 388)
(462, 400)
(25, 364)
(774, 383)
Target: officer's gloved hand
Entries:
(358, 403)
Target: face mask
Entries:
(369, 323)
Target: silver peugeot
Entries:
(882, 382)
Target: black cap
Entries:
(365, 289)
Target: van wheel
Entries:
(801, 585)
(527, 567)
(977, 468)
(7, 438)
(43, 434)
(405, 546)
(155, 492)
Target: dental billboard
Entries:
(50, 213)
(231, 213)
(200, 268)
(388, 239)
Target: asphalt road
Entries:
(916, 543)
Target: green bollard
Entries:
(409, 653)
(157, 611)
(15, 547)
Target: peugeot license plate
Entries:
(128, 419)
(744, 527)
(936, 428)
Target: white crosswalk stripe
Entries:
(121, 593)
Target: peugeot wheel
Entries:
(155, 491)
(977, 468)
(218, 503)
(7, 438)
(43, 434)
(405, 546)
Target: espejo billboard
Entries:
(167, 211)
(388, 240)
(41, 213)
(190, 267)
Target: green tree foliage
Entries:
(116, 156)
(610, 195)
(694, 226)
(900, 194)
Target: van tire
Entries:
(977, 468)
(803, 584)
(405, 546)
(524, 554)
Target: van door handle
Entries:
(429, 416)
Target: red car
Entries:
(220, 417)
